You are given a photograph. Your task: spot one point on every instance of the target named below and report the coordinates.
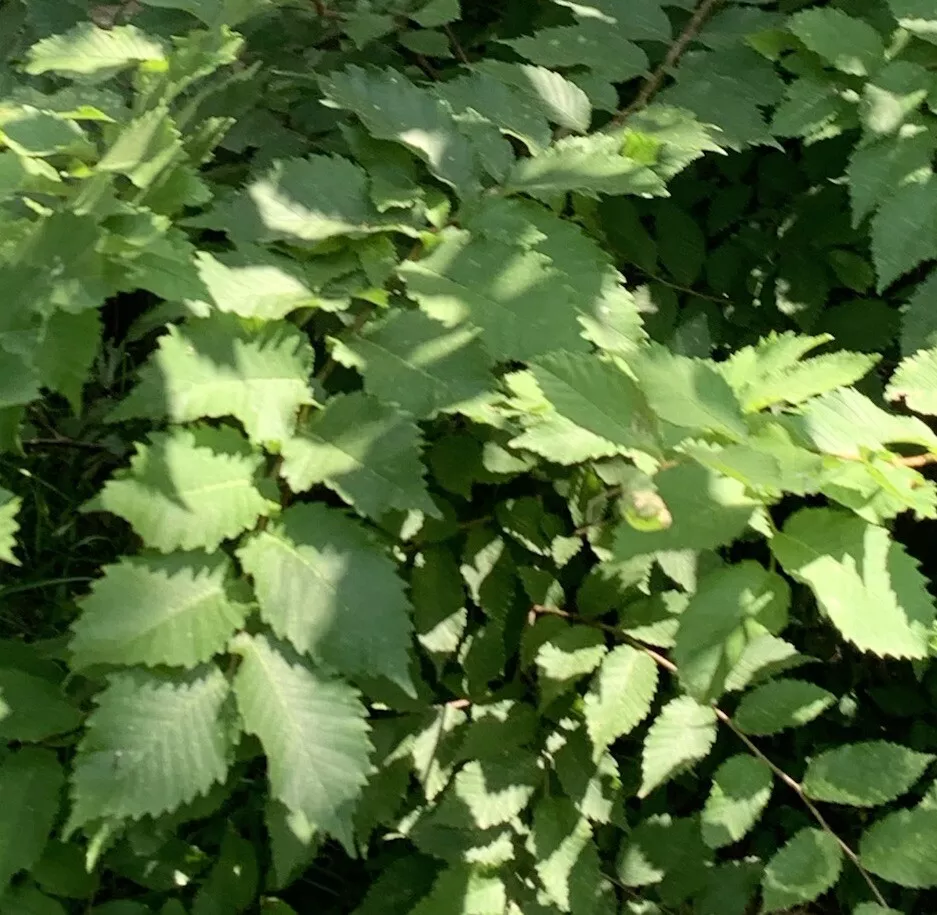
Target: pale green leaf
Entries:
(487, 792)
(187, 490)
(419, 364)
(393, 108)
(805, 868)
(764, 657)
(900, 847)
(915, 382)
(9, 525)
(153, 743)
(567, 656)
(87, 50)
(178, 610)
(366, 451)
(567, 859)
(740, 791)
(31, 783)
(904, 231)
(781, 704)
(464, 891)
(689, 393)
(682, 734)
(917, 16)
(708, 510)
(593, 165)
(323, 583)
(863, 580)
(873, 908)
(312, 729)
(304, 201)
(864, 774)
(30, 132)
(144, 148)
(620, 695)
(515, 296)
(849, 44)
(716, 624)
(218, 367)
(34, 707)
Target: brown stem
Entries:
(793, 784)
(459, 50)
(653, 83)
(917, 460)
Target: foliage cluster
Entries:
(467, 458)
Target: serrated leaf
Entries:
(231, 884)
(393, 108)
(69, 345)
(144, 148)
(567, 859)
(681, 735)
(915, 382)
(864, 774)
(31, 783)
(740, 792)
(293, 843)
(366, 451)
(304, 201)
(620, 695)
(591, 166)
(487, 792)
(660, 846)
(708, 510)
(917, 16)
(716, 624)
(312, 729)
(805, 868)
(864, 581)
(87, 50)
(763, 657)
(178, 610)
(919, 322)
(153, 743)
(904, 231)
(781, 704)
(9, 525)
(35, 708)
(873, 908)
(187, 490)
(900, 847)
(323, 583)
(215, 12)
(567, 656)
(419, 364)
(219, 367)
(849, 44)
(464, 891)
(510, 294)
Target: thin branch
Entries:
(653, 83)
(459, 50)
(793, 784)
(63, 443)
(917, 460)
(323, 374)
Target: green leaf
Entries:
(187, 490)
(87, 50)
(215, 12)
(27, 900)
(708, 510)
(464, 891)
(487, 792)
(69, 345)
(919, 323)
(312, 729)
(620, 695)
(682, 734)
(419, 364)
(567, 859)
(716, 624)
(323, 583)
(864, 581)
(153, 743)
(864, 774)
(917, 16)
(805, 868)
(660, 848)
(30, 132)
(35, 708)
(740, 792)
(31, 782)
(178, 610)
(849, 44)
(904, 231)
(900, 847)
(304, 201)
(367, 452)
(873, 908)
(510, 294)
(219, 367)
(567, 656)
(144, 148)
(781, 704)
(591, 166)
(392, 108)
(915, 381)
(9, 525)
(231, 885)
